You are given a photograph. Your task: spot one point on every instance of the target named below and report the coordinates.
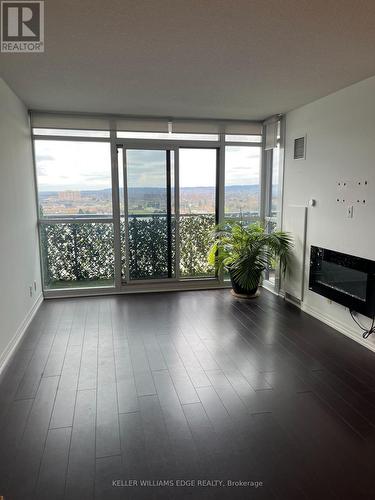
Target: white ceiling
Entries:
(244, 59)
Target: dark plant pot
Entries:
(240, 291)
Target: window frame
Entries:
(178, 282)
(247, 145)
(52, 220)
(267, 172)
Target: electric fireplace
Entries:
(345, 279)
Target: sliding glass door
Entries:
(167, 212)
(197, 210)
(147, 214)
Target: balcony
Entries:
(81, 254)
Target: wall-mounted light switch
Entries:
(349, 212)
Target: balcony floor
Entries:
(187, 385)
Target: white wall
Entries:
(19, 256)
(340, 131)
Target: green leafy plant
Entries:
(246, 250)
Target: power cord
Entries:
(366, 331)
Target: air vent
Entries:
(292, 299)
(300, 148)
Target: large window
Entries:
(75, 210)
(242, 183)
(168, 136)
(62, 132)
(130, 210)
(74, 178)
(272, 202)
(275, 184)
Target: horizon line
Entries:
(140, 187)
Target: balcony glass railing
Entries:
(77, 254)
(151, 247)
(195, 241)
(81, 254)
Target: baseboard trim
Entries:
(269, 287)
(337, 325)
(179, 286)
(17, 337)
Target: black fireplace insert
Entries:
(345, 279)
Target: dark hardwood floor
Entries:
(194, 386)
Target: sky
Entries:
(77, 166)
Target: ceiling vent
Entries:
(300, 148)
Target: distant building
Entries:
(69, 196)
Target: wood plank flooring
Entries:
(186, 386)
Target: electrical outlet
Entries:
(349, 212)
(31, 291)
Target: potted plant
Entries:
(245, 251)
